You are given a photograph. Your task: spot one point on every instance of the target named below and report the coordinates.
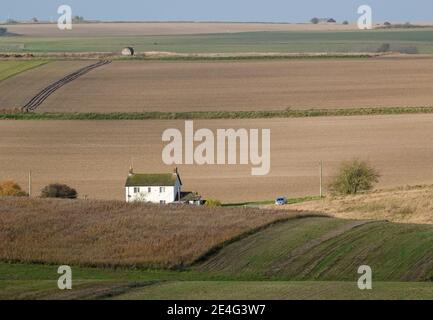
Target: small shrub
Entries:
(314, 20)
(354, 177)
(213, 203)
(11, 189)
(345, 22)
(57, 190)
(3, 31)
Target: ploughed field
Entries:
(94, 156)
(126, 86)
(18, 89)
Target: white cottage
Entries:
(156, 188)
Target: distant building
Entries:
(156, 188)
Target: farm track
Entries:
(37, 100)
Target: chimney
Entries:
(131, 171)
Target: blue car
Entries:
(281, 201)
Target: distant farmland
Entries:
(221, 41)
(94, 156)
(234, 86)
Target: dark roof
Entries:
(189, 196)
(155, 179)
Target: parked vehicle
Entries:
(281, 201)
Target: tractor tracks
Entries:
(38, 99)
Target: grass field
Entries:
(223, 243)
(94, 156)
(268, 41)
(278, 290)
(267, 263)
(24, 281)
(11, 68)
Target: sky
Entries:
(220, 10)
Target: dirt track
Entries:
(94, 156)
(249, 85)
(18, 90)
(38, 99)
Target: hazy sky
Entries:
(220, 10)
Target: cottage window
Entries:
(161, 189)
(162, 202)
(149, 189)
(136, 189)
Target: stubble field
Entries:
(239, 86)
(94, 156)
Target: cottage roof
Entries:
(154, 179)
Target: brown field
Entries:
(94, 156)
(248, 85)
(155, 28)
(18, 90)
(403, 205)
(115, 233)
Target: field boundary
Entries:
(212, 115)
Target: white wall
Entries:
(142, 193)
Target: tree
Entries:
(3, 31)
(386, 23)
(78, 19)
(345, 22)
(11, 189)
(57, 190)
(314, 20)
(353, 177)
(331, 20)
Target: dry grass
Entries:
(96, 233)
(405, 205)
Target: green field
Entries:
(19, 281)
(291, 41)
(308, 258)
(10, 68)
